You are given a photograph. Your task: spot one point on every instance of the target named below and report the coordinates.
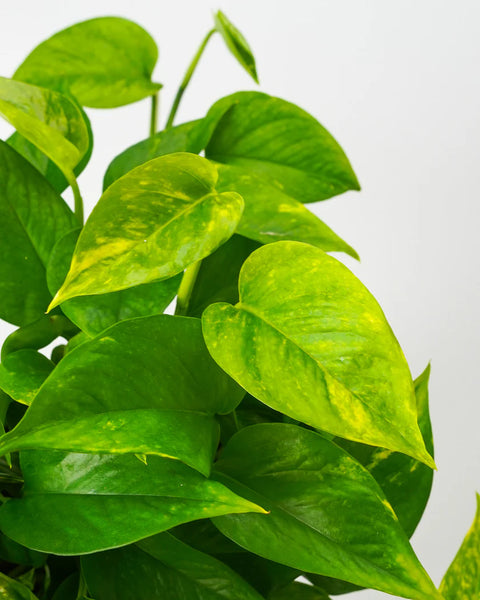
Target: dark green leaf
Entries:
(10, 589)
(14, 553)
(50, 121)
(146, 386)
(462, 580)
(103, 62)
(270, 215)
(32, 218)
(174, 139)
(151, 224)
(236, 43)
(43, 164)
(327, 513)
(217, 276)
(81, 503)
(68, 589)
(309, 340)
(93, 314)
(298, 591)
(281, 143)
(162, 567)
(22, 373)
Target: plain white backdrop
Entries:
(397, 83)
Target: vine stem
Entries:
(187, 77)
(186, 287)
(154, 115)
(78, 210)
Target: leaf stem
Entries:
(78, 210)
(186, 287)
(154, 115)
(187, 77)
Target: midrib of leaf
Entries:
(370, 409)
(295, 518)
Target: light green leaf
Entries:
(309, 340)
(462, 580)
(93, 314)
(236, 43)
(82, 503)
(327, 514)
(162, 567)
(10, 589)
(51, 121)
(281, 143)
(22, 373)
(182, 138)
(103, 62)
(46, 166)
(145, 386)
(32, 218)
(151, 224)
(270, 215)
(217, 276)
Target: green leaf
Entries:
(32, 218)
(43, 164)
(151, 224)
(51, 121)
(103, 62)
(217, 276)
(298, 591)
(93, 314)
(309, 340)
(270, 215)
(10, 589)
(145, 386)
(162, 567)
(327, 514)
(236, 43)
(281, 143)
(14, 553)
(82, 503)
(22, 373)
(182, 138)
(462, 580)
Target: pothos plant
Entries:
(269, 429)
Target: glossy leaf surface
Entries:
(82, 503)
(146, 386)
(103, 62)
(162, 567)
(462, 580)
(236, 43)
(52, 122)
(32, 218)
(270, 215)
(151, 224)
(327, 513)
(22, 373)
(93, 314)
(281, 143)
(314, 344)
(11, 589)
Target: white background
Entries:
(397, 83)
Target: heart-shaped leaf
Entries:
(462, 580)
(22, 374)
(308, 339)
(326, 512)
(151, 224)
(103, 62)
(52, 122)
(162, 567)
(32, 218)
(146, 386)
(81, 503)
(93, 314)
(236, 43)
(281, 143)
